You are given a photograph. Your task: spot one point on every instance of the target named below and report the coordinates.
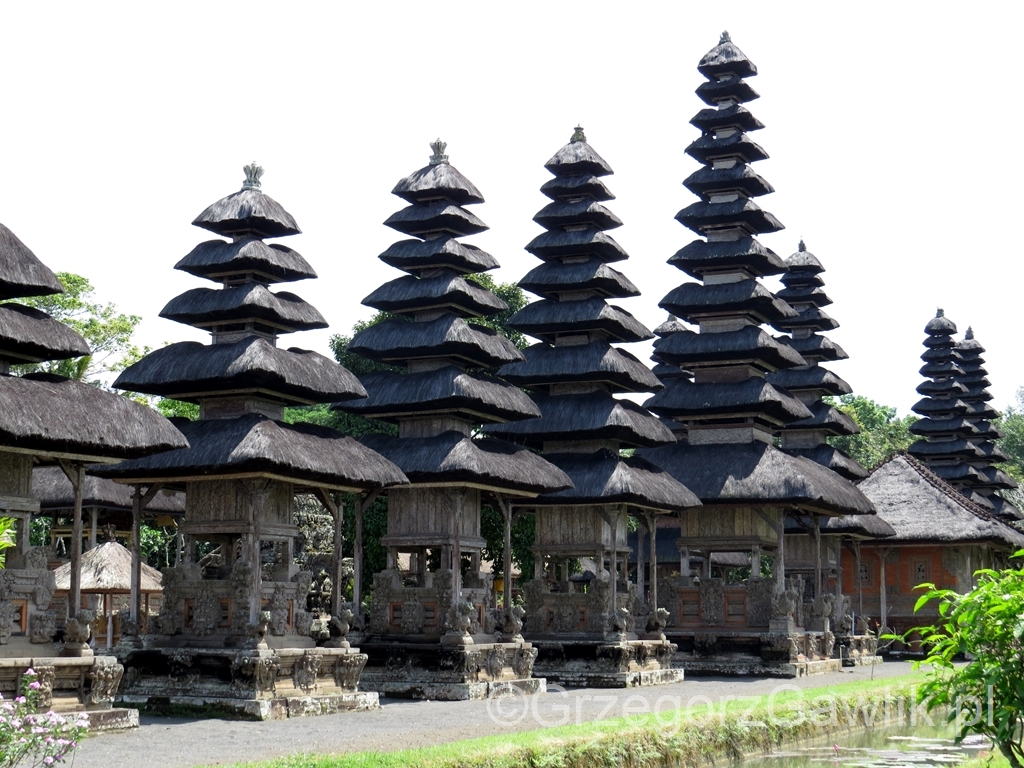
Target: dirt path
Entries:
(179, 742)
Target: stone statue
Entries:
(77, 632)
(657, 620)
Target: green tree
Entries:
(6, 536)
(1012, 442)
(107, 331)
(985, 696)
(882, 433)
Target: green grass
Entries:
(683, 737)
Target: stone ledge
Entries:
(280, 708)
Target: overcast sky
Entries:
(890, 128)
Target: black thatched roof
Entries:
(824, 416)
(858, 526)
(726, 58)
(746, 345)
(815, 347)
(702, 217)
(443, 291)
(923, 508)
(732, 88)
(577, 185)
(444, 390)
(940, 325)
(577, 157)
(752, 397)
(942, 388)
(813, 378)
(188, 369)
(606, 478)
(595, 362)
(1004, 510)
(710, 146)
(804, 294)
(29, 335)
(248, 212)
(447, 337)
(756, 473)
(53, 489)
(254, 444)
(927, 449)
(21, 273)
(439, 216)
(941, 405)
(691, 301)
(47, 414)
(578, 242)
(559, 213)
(438, 180)
(205, 307)
(554, 277)
(451, 457)
(417, 255)
(737, 116)
(589, 416)
(700, 256)
(812, 318)
(671, 325)
(936, 427)
(273, 263)
(546, 319)
(832, 458)
(740, 178)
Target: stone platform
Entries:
(752, 666)
(596, 664)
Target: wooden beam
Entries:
(506, 571)
(76, 475)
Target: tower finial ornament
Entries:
(253, 173)
(802, 247)
(724, 38)
(438, 147)
(970, 333)
(578, 135)
(940, 312)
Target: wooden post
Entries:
(652, 525)
(506, 570)
(258, 490)
(780, 560)
(860, 583)
(337, 596)
(458, 497)
(359, 507)
(755, 561)
(93, 514)
(817, 556)
(139, 502)
(76, 474)
(883, 555)
(640, 559)
(684, 562)
(108, 607)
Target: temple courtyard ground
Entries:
(180, 742)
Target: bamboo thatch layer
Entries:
(942, 388)
(434, 181)
(832, 458)
(752, 397)
(758, 474)
(590, 416)
(1004, 510)
(939, 369)
(555, 277)
(726, 58)
(923, 508)
(578, 242)
(804, 294)
(811, 379)
(453, 457)
(274, 263)
(997, 478)
(827, 418)
(444, 390)
(21, 272)
(929, 449)
(440, 216)
(547, 319)
(936, 427)
(28, 335)
(958, 473)
(576, 186)
(802, 265)
(49, 414)
(416, 255)
(397, 341)
(746, 344)
(691, 301)
(739, 177)
(940, 325)
(606, 478)
(107, 568)
(205, 307)
(815, 347)
(595, 362)
(53, 489)
(444, 291)
(303, 453)
(993, 451)
(248, 212)
(732, 88)
(737, 116)
(812, 318)
(708, 147)
(559, 214)
(188, 369)
(577, 157)
(701, 256)
(701, 216)
(937, 406)
(672, 325)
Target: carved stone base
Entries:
(70, 684)
(277, 708)
(753, 666)
(596, 664)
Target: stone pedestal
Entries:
(596, 664)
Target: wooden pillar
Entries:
(506, 565)
(76, 474)
(257, 490)
(883, 555)
(108, 607)
(652, 526)
(755, 561)
(458, 497)
(337, 595)
(134, 600)
(860, 583)
(640, 559)
(93, 515)
(684, 562)
(780, 560)
(817, 556)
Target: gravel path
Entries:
(163, 742)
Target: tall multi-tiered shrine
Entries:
(602, 631)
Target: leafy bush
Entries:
(31, 739)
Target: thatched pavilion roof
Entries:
(29, 335)
(923, 508)
(21, 273)
(204, 307)
(597, 361)
(107, 568)
(273, 263)
(53, 489)
(248, 212)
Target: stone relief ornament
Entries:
(828, 643)
(663, 653)
(179, 663)
(77, 632)
(258, 631)
(341, 624)
(42, 627)
(303, 623)
(6, 585)
(307, 667)
(8, 615)
(712, 602)
(205, 612)
(105, 678)
(522, 661)
(565, 617)
(45, 676)
(657, 620)
(465, 663)
(37, 559)
(279, 612)
(511, 627)
(412, 616)
(347, 670)
(264, 673)
(495, 662)
(705, 644)
(398, 665)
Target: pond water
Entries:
(917, 747)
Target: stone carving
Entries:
(643, 652)
(704, 644)
(42, 627)
(759, 602)
(522, 661)
(618, 623)
(303, 583)
(129, 627)
(712, 602)
(45, 676)
(668, 597)
(307, 667)
(511, 626)
(445, 596)
(172, 618)
(779, 646)
(828, 643)
(412, 616)
(105, 679)
(180, 663)
(6, 585)
(8, 615)
(77, 632)
(240, 582)
(258, 631)
(265, 671)
(459, 620)
(495, 662)
(205, 612)
(663, 653)
(347, 670)
(657, 620)
(823, 606)
(380, 603)
(341, 625)
(566, 618)
(784, 603)
(42, 596)
(398, 665)
(279, 609)
(303, 623)
(536, 614)
(37, 559)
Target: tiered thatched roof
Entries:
(53, 489)
(107, 569)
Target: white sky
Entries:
(890, 128)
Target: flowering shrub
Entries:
(31, 739)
